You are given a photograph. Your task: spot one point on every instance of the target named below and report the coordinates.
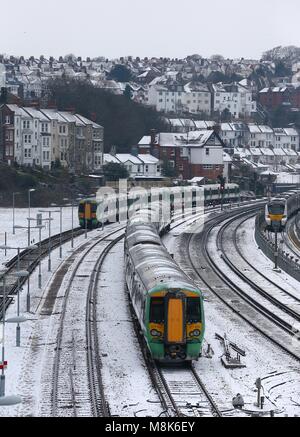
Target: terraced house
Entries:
(34, 137)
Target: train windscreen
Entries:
(157, 310)
(276, 208)
(193, 310)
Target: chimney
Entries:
(217, 129)
(153, 137)
(3, 96)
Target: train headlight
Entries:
(155, 333)
(195, 333)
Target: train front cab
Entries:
(175, 326)
(276, 211)
(88, 214)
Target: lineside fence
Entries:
(289, 263)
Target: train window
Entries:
(94, 207)
(276, 208)
(193, 313)
(81, 207)
(157, 310)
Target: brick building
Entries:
(192, 154)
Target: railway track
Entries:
(274, 295)
(77, 385)
(181, 391)
(29, 260)
(185, 394)
(291, 239)
(199, 265)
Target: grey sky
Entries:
(173, 28)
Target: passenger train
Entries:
(168, 305)
(280, 208)
(93, 212)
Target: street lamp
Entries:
(2, 377)
(39, 226)
(49, 242)
(72, 205)
(31, 190)
(14, 194)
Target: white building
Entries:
(151, 167)
(133, 164)
(41, 138)
(236, 98)
(260, 136)
(288, 138)
(197, 98)
(35, 137)
(166, 99)
(141, 166)
(234, 134)
(2, 76)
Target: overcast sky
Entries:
(171, 28)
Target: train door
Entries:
(175, 320)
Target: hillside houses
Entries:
(42, 137)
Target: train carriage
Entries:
(93, 213)
(168, 305)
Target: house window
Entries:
(207, 151)
(180, 167)
(26, 124)
(7, 119)
(208, 167)
(27, 139)
(146, 168)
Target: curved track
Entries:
(200, 264)
(71, 346)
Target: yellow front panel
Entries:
(175, 321)
(88, 211)
(276, 218)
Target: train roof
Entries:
(156, 268)
(142, 234)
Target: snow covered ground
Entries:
(126, 381)
(20, 239)
(279, 372)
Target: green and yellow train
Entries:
(92, 213)
(168, 305)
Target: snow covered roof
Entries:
(18, 111)
(196, 180)
(148, 159)
(107, 157)
(87, 121)
(278, 151)
(226, 157)
(35, 113)
(255, 151)
(125, 157)
(201, 124)
(253, 128)
(146, 140)
(72, 118)
(266, 151)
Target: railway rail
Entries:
(198, 263)
(29, 260)
(85, 373)
(273, 296)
